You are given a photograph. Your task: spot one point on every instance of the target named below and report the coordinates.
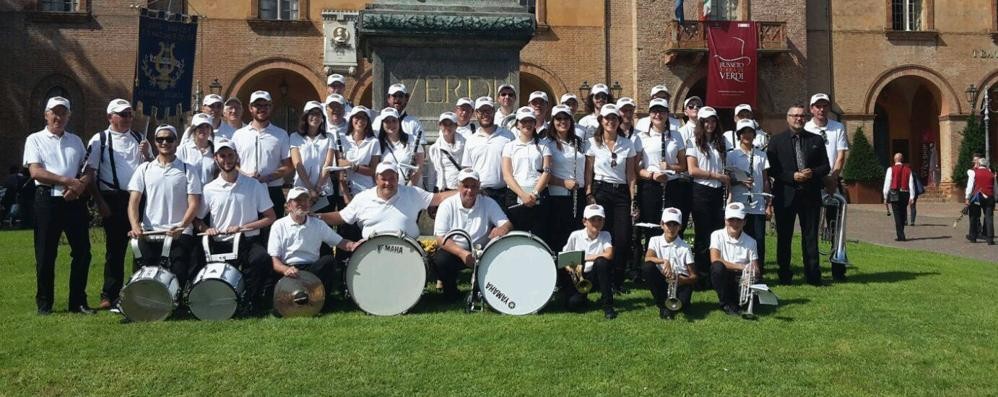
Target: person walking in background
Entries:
(899, 188)
(980, 196)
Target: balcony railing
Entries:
(691, 36)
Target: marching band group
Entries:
(578, 186)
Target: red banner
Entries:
(732, 71)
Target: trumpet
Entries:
(582, 285)
(672, 302)
(745, 294)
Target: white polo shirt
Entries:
(644, 123)
(313, 151)
(527, 159)
(499, 116)
(603, 169)
(360, 153)
(483, 153)
(583, 133)
(579, 241)
(741, 250)
(739, 159)
(652, 156)
(201, 161)
(760, 141)
(401, 153)
(687, 132)
(400, 212)
(467, 129)
(590, 123)
(835, 137)
(710, 162)
(477, 220)
(444, 169)
(60, 155)
(340, 128)
(298, 244)
(127, 157)
(234, 204)
(226, 131)
(166, 188)
(262, 151)
(677, 252)
(567, 163)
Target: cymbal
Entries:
(302, 296)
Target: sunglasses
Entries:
(692, 106)
(165, 139)
(124, 114)
(613, 159)
(507, 94)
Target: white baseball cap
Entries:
(396, 88)
(447, 116)
(625, 101)
(389, 112)
(484, 101)
(118, 105)
(593, 211)
(166, 127)
(501, 87)
(335, 98)
(568, 97)
(599, 88)
(359, 110)
(744, 106)
(386, 166)
(201, 119)
(746, 123)
(659, 102)
(538, 95)
(211, 99)
(609, 109)
(525, 113)
(660, 88)
(335, 78)
(56, 101)
(467, 173)
(312, 105)
(228, 102)
(672, 214)
(296, 192)
(222, 142)
(706, 112)
(465, 101)
(257, 95)
(819, 96)
(691, 99)
(561, 109)
(734, 210)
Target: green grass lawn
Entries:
(906, 322)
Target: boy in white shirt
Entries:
(669, 258)
(597, 267)
(731, 253)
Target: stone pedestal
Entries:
(443, 50)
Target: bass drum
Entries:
(387, 274)
(516, 274)
(217, 291)
(151, 295)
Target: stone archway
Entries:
(290, 85)
(536, 78)
(909, 109)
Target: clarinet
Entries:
(575, 176)
(751, 169)
(336, 161)
(662, 157)
(415, 147)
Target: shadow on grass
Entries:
(886, 277)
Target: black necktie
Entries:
(798, 152)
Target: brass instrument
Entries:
(834, 232)
(475, 300)
(509, 121)
(582, 285)
(672, 302)
(745, 293)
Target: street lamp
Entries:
(584, 89)
(971, 96)
(215, 86)
(616, 89)
(283, 87)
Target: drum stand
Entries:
(230, 257)
(475, 301)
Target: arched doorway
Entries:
(908, 109)
(289, 91)
(530, 83)
(993, 120)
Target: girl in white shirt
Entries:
(447, 153)
(705, 160)
(568, 171)
(663, 160)
(526, 169)
(361, 153)
(400, 147)
(311, 153)
(198, 152)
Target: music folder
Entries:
(571, 258)
(766, 296)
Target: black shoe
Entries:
(609, 313)
(840, 277)
(43, 311)
(82, 309)
(991, 243)
(899, 239)
(971, 239)
(665, 314)
(731, 311)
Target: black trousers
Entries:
(708, 214)
(53, 217)
(253, 261)
(277, 198)
(335, 204)
(448, 267)
(900, 211)
(659, 287)
(679, 194)
(987, 206)
(179, 262)
(650, 202)
(616, 202)
(755, 226)
(807, 213)
(560, 220)
(116, 229)
(601, 276)
(726, 284)
(499, 195)
(524, 218)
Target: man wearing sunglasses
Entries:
(115, 153)
(506, 97)
(691, 106)
(834, 135)
(264, 149)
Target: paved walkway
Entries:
(933, 230)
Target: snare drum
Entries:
(517, 274)
(216, 293)
(151, 294)
(386, 274)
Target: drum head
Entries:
(516, 274)
(150, 296)
(302, 296)
(386, 275)
(215, 294)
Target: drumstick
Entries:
(154, 232)
(221, 233)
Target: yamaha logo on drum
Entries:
(500, 295)
(397, 249)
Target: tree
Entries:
(862, 164)
(973, 141)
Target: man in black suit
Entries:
(798, 163)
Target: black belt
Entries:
(614, 186)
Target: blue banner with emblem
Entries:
(164, 69)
